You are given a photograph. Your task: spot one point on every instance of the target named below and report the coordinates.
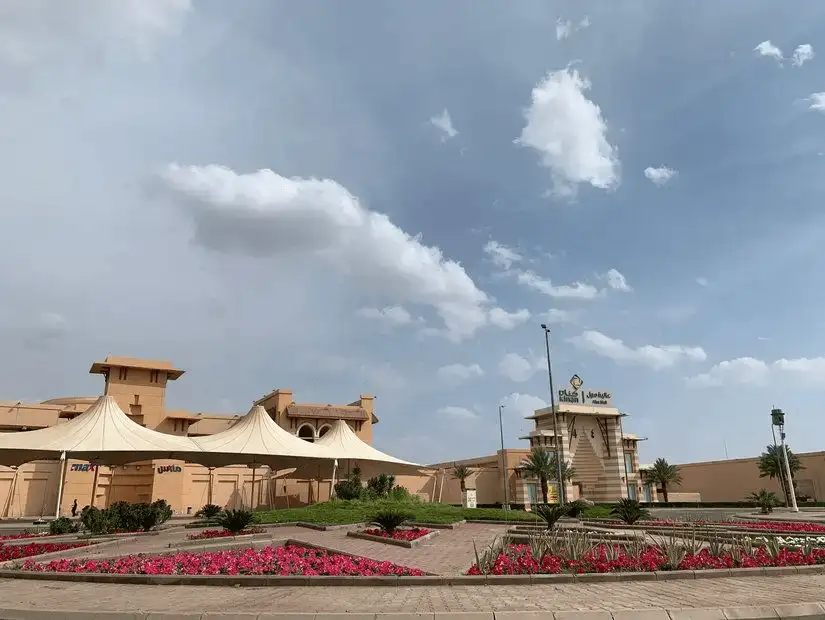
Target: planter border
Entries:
(200, 541)
(407, 544)
(436, 526)
(427, 580)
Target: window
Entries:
(628, 462)
(153, 376)
(631, 491)
(123, 373)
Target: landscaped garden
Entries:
(17, 552)
(403, 534)
(286, 560)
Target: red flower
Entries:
(412, 534)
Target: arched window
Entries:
(323, 430)
(307, 433)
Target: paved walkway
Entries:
(701, 593)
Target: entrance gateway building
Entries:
(605, 461)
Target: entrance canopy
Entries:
(256, 439)
(342, 444)
(102, 434)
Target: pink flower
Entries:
(411, 534)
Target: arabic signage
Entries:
(575, 395)
(83, 467)
(169, 468)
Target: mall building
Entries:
(604, 458)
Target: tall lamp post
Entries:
(503, 460)
(778, 420)
(556, 439)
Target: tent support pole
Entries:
(252, 490)
(332, 482)
(109, 486)
(441, 488)
(65, 464)
(10, 498)
(94, 486)
(209, 501)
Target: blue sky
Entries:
(390, 198)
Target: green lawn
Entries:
(341, 512)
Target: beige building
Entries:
(139, 387)
(605, 459)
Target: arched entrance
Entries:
(307, 433)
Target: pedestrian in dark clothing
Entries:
(74, 508)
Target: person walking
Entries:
(74, 508)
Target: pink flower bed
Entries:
(287, 560)
(411, 534)
(24, 536)
(519, 561)
(16, 552)
(773, 526)
(221, 534)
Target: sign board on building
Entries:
(469, 499)
(575, 395)
(171, 468)
(83, 467)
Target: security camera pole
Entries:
(556, 438)
(778, 419)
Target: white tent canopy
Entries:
(256, 439)
(102, 434)
(343, 445)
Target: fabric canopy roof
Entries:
(256, 439)
(341, 443)
(102, 434)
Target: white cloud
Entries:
(578, 290)
(802, 54)
(264, 214)
(501, 255)
(564, 28)
(766, 48)
(392, 316)
(568, 131)
(616, 281)
(556, 316)
(456, 373)
(656, 357)
(34, 31)
(752, 371)
(523, 405)
(817, 102)
(702, 281)
(508, 320)
(458, 413)
(661, 175)
(516, 368)
(445, 124)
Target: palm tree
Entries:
(542, 465)
(461, 473)
(567, 472)
(772, 465)
(662, 473)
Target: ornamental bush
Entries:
(63, 525)
(125, 517)
(390, 518)
(551, 513)
(350, 487)
(209, 511)
(629, 511)
(236, 521)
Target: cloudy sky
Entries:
(391, 197)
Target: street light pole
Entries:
(556, 439)
(503, 460)
(778, 419)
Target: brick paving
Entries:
(702, 593)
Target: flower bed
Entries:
(287, 560)
(409, 535)
(25, 536)
(796, 527)
(16, 552)
(518, 560)
(206, 534)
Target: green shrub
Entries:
(401, 494)
(551, 513)
(236, 521)
(63, 525)
(209, 511)
(576, 508)
(765, 500)
(164, 510)
(630, 511)
(350, 487)
(381, 485)
(96, 521)
(390, 518)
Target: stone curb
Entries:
(427, 580)
(803, 611)
(435, 526)
(216, 539)
(407, 544)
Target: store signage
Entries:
(575, 395)
(171, 468)
(83, 467)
